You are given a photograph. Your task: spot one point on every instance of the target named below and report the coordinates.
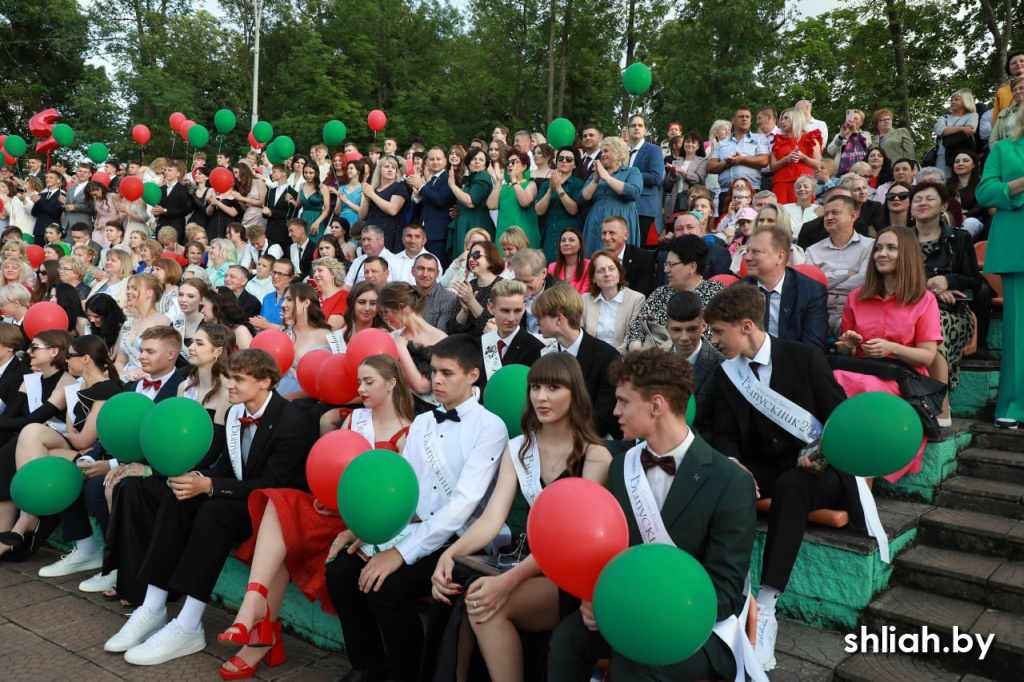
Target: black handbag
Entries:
(924, 393)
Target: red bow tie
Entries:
(249, 421)
(155, 385)
(667, 464)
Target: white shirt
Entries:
(260, 287)
(815, 124)
(632, 153)
(472, 448)
(763, 358)
(776, 304)
(656, 476)
(501, 349)
(692, 358)
(296, 255)
(401, 264)
(622, 254)
(608, 311)
(355, 271)
(151, 392)
(574, 349)
(249, 432)
(798, 216)
(251, 255)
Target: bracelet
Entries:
(147, 472)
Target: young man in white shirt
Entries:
(454, 448)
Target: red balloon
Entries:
(46, 146)
(353, 156)
(727, 280)
(327, 461)
(41, 125)
(377, 120)
(185, 125)
(1, 204)
(254, 144)
(44, 316)
(310, 366)
(8, 159)
(410, 167)
(222, 180)
(574, 528)
(177, 118)
(102, 178)
(743, 266)
(131, 188)
(278, 345)
(812, 271)
(336, 384)
(369, 342)
(35, 255)
(141, 134)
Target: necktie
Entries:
(767, 307)
(249, 421)
(666, 464)
(501, 347)
(155, 385)
(754, 366)
(446, 415)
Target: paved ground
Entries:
(50, 631)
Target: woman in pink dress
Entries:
(295, 531)
(570, 265)
(892, 315)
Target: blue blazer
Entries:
(168, 390)
(436, 200)
(650, 161)
(47, 211)
(803, 311)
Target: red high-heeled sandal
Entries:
(274, 657)
(262, 633)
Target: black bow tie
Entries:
(446, 415)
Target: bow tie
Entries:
(667, 464)
(155, 385)
(249, 421)
(446, 415)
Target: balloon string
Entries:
(174, 137)
(220, 143)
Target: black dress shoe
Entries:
(21, 550)
(380, 674)
(11, 539)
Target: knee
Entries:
(343, 572)
(791, 485)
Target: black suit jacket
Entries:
(277, 457)
(524, 350)
(305, 260)
(47, 211)
(10, 380)
(250, 304)
(277, 221)
(803, 312)
(719, 259)
(639, 267)
(594, 357)
(178, 205)
(167, 390)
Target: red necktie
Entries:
(155, 385)
(501, 347)
(667, 464)
(249, 421)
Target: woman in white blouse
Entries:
(609, 305)
(805, 208)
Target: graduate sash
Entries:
(34, 393)
(492, 358)
(234, 432)
(362, 423)
(527, 470)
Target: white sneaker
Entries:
(99, 583)
(73, 562)
(139, 627)
(767, 630)
(168, 643)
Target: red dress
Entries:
(782, 181)
(307, 534)
(335, 305)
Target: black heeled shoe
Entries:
(12, 539)
(21, 550)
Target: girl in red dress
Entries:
(295, 531)
(794, 153)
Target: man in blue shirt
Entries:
(270, 314)
(742, 155)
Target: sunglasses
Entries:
(565, 159)
(511, 162)
(38, 347)
(73, 354)
(476, 255)
(889, 196)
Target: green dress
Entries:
(511, 213)
(558, 220)
(478, 186)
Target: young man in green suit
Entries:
(706, 506)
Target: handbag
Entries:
(655, 335)
(924, 393)
(932, 155)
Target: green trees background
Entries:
(448, 72)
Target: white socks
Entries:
(156, 599)
(766, 598)
(87, 545)
(191, 616)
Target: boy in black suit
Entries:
(504, 341)
(175, 202)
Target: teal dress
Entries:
(478, 186)
(607, 202)
(558, 220)
(511, 213)
(312, 207)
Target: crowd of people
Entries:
(767, 273)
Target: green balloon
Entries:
(15, 145)
(225, 121)
(46, 486)
(636, 78)
(98, 152)
(262, 132)
(151, 193)
(176, 434)
(377, 495)
(198, 136)
(506, 394)
(561, 133)
(27, 238)
(63, 134)
(273, 156)
(334, 133)
(872, 434)
(284, 146)
(691, 410)
(119, 425)
(655, 627)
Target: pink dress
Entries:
(907, 325)
(582, 284)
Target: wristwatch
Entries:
(561, 192)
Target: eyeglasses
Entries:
(275, 273)
(669, 265)
(889, 196)
(37, 347)
(41, 273)
(64, 270)
(566, 159)
(511, 162)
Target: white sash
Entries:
(129, 349)
(234, 432)
(336, 340)
(652, 530)
(34, 393)
(550, 345)
(803, 425)
(71, 395)
(192, 393)
(362, 423)
(527, 470)
(492, 358)
(433, 455)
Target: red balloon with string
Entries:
(254, 144)
(177, 118)
(102, 178)
(221, 180)
(377, 120)
(141, 134)
(131, 188)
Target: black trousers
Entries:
(575, 649)
(132, 523)
(381, 626)
(192, 540)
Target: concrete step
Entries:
(987, 435)
(995, 465)
(806, 654)
(982, 495)
(973, 532)
(985, 580)
(946, 625)
(896, 668)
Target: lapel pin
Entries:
(696, 477)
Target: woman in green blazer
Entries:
(1002, 188)
(472, 201)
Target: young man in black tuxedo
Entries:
(207, 513)
(277, 207)
(685, 326)
(175, 202)
(506, 342)
(679, 491)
